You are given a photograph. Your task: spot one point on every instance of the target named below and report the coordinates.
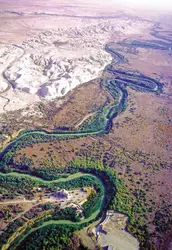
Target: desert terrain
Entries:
(85, 93)
(54, 55)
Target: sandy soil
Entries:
(113, 233)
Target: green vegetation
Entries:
(23, 184)
(50, 237)
(93, 202)
(98, 121)
(99, 124)
(108, 190)
(116, 197)
(67, 213)
(10, 230)
(130, 203)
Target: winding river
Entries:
(116, 85)
(69, 178)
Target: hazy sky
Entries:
(151, 4)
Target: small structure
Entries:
(76, 207)
(63, 194)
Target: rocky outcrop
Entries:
(53, 62)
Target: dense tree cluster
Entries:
(11, 228)
(50, 237)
